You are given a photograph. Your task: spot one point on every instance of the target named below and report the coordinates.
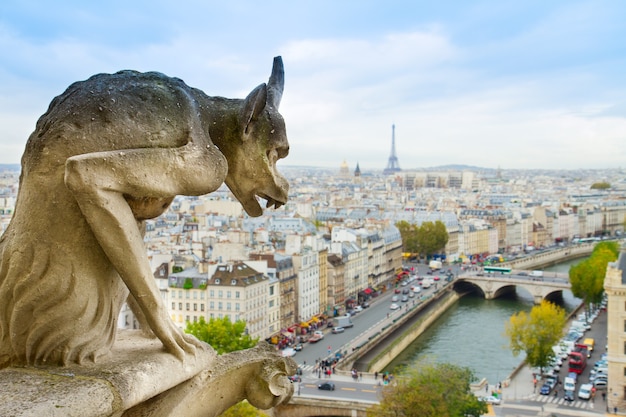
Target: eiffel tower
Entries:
(392, 166)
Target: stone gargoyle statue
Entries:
(110, 153)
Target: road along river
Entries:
(471, 333)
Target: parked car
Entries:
(288, 352)
(338, 330)
(394, 306)
(600, 383)
(358, 309)
(569, 395)
(584, 393)
(298, 347)
(365, 304)
(548, 385)
(405, 298)
(395, 299)
(294, 378)
(327, 386)
(491, 399)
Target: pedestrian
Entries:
(604, 396)
(487, 388)
(375, 375)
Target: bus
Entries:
(578, 359)
(497, 270)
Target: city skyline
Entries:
(516, 86)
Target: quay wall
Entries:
(413, 331)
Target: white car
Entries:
(491, 400)
(394, 306)
(584, 393)
(288, 352)
(319, 334)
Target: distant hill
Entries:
(458, 167)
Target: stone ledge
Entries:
(137, 369)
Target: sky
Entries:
(509, 84)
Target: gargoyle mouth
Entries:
(271, 202)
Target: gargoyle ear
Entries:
(253, 105)
(276, 83)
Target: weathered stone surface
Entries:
(139, 378)
(136, 370)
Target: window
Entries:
(180, 306)
(228, 306)
(173, 306)
(212, 293)
(195, 307)
(201, 307)
(236, 294)
(219, 306)
(187, 307)
(272, 290)
(212, 305)
(228, 293)
(220, 294)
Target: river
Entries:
(472, 333)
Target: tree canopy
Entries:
(224, 335)
(427, 239)
(587, 277)
(430, 390)
(536, 332)
(600, 185)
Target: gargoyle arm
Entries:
(101, 182)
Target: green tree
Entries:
(587, 277)
(243, 409)
(408, 233)
(224, 335)
(600, 185)
(536, 332)
(430, 390)
(432, 237)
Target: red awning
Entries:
(367, 291)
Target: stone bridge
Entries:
(493, 286)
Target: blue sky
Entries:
(510, 84)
